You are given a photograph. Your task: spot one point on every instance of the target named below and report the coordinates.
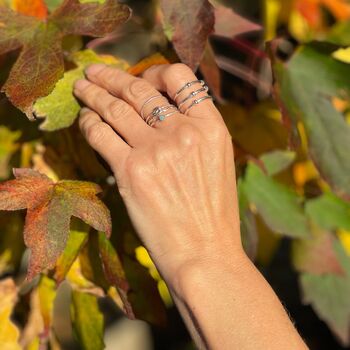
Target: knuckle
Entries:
(105, 74)
(137, 170)
(178, 70)
(137, 88)
(96, 133)
(188, 134)
(117, 109)
(219, 132)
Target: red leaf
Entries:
(40, 64)
(188, 25)
(229, 24)
(35, 8)
(49, 209)
(211, 72)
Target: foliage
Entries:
(291, 142)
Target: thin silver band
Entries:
(196, 102)
(186, 86)
(160, 117)
(192, 94)
(147, 101)
(158, 113)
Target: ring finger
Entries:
(172, 79)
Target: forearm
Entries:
(228, 304)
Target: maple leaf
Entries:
(40, 63)
(35, 8)
(60, 107)
(49, 207)
(188, 24)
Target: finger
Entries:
(103, 139)
(136, 91)
(116, 112)
(171, 78)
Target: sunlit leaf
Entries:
(60, 107)
(40, 63)
(147, 62)
(9, 333)
(8, 145)
(76, 240)
(87, 321)
(35, 8)
(49, 209)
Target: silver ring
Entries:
(158, 113)
(162, 117)
(187, 85)
(196, 102)
(192, 94)
(147, 101)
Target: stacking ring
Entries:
(160, 113)
(148, 101)
(194, 102)
(188, 85)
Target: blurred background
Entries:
(295, 221)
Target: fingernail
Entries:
(81, 84)
(94, 68)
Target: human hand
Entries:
(176, 177)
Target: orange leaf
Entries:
(50, 206)
(147, 62)
(35, 8)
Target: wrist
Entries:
(209, 269)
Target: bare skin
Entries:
(177, 180)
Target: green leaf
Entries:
(306, 86)
(329, 294)
(276, 161)
(340, 33)
(60, 108)
(144, 295)
(87, 320)
(114, 272)
(40, 63)
(77, 238)
(49, 207)
(329, 212)
(278, 205)
(249, 232)
(8, 145)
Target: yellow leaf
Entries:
(9, 333)
(344, 237)
(342, 55)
